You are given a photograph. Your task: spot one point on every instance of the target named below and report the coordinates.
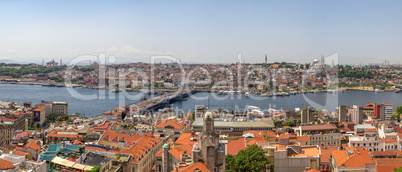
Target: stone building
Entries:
(9, 124)
(206, 150)
(60, 109)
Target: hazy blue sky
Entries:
(202, 31)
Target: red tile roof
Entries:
(6, 165)
(19, 153)
(112, 136)
(185, 138)
(105, 126)
(162, 123)
(159, 154)
(32, 144)
(326, 154)
(180, 149)
(199, 165)
(359, 158)
(22, 134)
(318, 127)
(387, 164)
(303, 139)
(57, 133)
(39, 108)
(233, 147)
(142, 148)
(371, 129)
(390, 140)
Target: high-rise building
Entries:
(383, 111)
(388, 110)
(356, 114)
(307, 116)
(342, 110)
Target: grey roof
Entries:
(365, 126)
(254, 124)
(93, 159)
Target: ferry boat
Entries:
(397, 90)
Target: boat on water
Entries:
(114, 90)
(247, 94)
(254, 110)
(292, 93)
(220, 92)
(377, 90)
(397, 90)
(60, 85)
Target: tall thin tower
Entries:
(61, 62)
(266, 59)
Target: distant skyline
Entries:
(202, 31)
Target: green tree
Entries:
(289, 123)
(59, 118)
(298, 121)
(51, 117)
(398, 110)
(95, 169)
(251, 159)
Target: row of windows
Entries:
(364, 144)
(325, 143)
(322, 138)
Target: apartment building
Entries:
(320, 134)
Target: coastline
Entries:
(366, 89)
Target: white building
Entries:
(389, 109)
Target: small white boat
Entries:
(247, 94)
(377, 90)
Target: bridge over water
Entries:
(159, 101)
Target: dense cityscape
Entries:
(150, 136)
